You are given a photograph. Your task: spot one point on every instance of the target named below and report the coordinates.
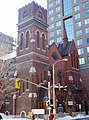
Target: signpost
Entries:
(38, 111)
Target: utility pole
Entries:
(49, 95)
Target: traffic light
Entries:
(59, 87)
(51, 110)
(17, 83)
(47, 103)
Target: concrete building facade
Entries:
(8, 44)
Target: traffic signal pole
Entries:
(47, 88)
(49, 95)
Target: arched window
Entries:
(77, 62)
(41, 78)
(37, 39)
(27, 39)
(27, 83)
(44, 75)
(59, 77)
(74, 59)
(23, 89)
(21, 41)
(43, 41)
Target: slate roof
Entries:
(64, 50)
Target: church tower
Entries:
(32, 57)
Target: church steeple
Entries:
(65, 38)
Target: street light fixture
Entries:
(54, 83)
(14, 100)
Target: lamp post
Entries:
(14, 105)
(54, 82)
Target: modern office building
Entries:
(7, 44)
(74, 15)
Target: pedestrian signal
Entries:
(47, 103)
(17, 83)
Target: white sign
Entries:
(70, 102)
(80, 106)
(38, 111)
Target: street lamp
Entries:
(54, 83)
(14, 103)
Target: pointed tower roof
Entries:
(65, 38)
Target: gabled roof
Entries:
(54, 48)
(64, 51)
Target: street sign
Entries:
(17, 83)
(46, 98)
(38, 111)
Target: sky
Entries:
(9, 14)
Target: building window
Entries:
(50, 42)
(81, 51)
(58, 16)
(67, 5)
(25, 14)
(51, 34)
(51, 26)
(44, 75)
(78, 24)
(74, 59)
(77, 16)
(57, 1)
(86, 30)
(76, 8)
(50, 5)
(57, 8)
(58, 31)
(87, 39)
(72, 62)
(43, 41)
(79, 42)
(23, 87)
(27, 39)
(37, 39)
(54, 56)
(86, 12)
(88, 59)
(78, 33)
(50, 19)
(59, 39)
(40, 14)
(60, 77)
(50, 12)
(75, 1)
(86, 21)
(21, 41)
(85, 4)
(69, 28)
(87, 48)
(81, 61)
(58, 23)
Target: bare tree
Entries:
(7, 70)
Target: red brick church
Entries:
(35, 58)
